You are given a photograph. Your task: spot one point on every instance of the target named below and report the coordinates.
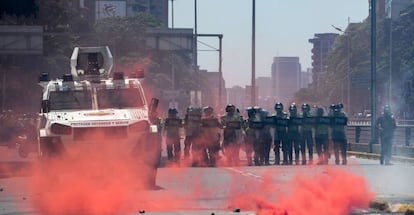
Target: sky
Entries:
(283, 28)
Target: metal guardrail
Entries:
(367, 122)
(359, 137)
(359, 131)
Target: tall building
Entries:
(286, 78)
(306, 78)
(322, 45)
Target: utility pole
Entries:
(220, 72)
(348, 78)
(253, 90)
(373, 74)
(172, 13)
(390, 67)
(195, 36)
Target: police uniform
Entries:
(256, 132)
(266, 136)
(250, 135)
(338, 132)
(293, 135)
(172, 131)
(280, 124)
(307, 133)
(322, 136)
(192, 122)
(386, 126)
(232, 134)
(209, 147)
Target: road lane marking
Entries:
(244, 173)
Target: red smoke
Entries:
(94, 179)
(331, 191)
(99, 179)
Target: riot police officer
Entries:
(232, 134)
(279, 142)
(192, 122)
(307, 133)
(266, 136)
(208, 147)
(256, 127)
(386, 126)
(172, 130)
(322, 136)
(338, 132)
(250, 135)
(293, 135)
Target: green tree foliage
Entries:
(358, 37)
(126, 38)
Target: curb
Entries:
(377, 157)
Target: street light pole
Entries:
(172, 13)
(348, 72)
(390, 67)
(195, 36)
(373, 74)
(220, 104)
(253, 90)
(348, 81)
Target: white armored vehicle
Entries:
(91, 104)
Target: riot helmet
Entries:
(208, 110)
(189, 109)
(172, 112)
(305, 107)
(279, 106)
(250, 112)
(293, 109)
(257, 109)
(332, 107)
(230, 108)
(387, 110)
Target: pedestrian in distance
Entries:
(386, 126)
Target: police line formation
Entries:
(294, 133)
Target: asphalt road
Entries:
(310, 189)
